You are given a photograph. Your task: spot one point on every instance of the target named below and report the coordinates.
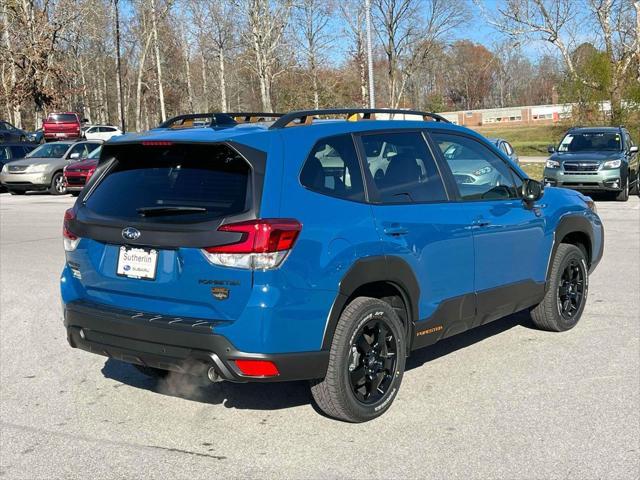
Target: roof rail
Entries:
(305, 117)
(217, 119)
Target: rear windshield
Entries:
(62, 117)
(49, 150)
(580, 142)
(177, 184)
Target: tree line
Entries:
(180, 56)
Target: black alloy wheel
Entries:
(571, 289)
(372, 361)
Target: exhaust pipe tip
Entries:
(213, 376)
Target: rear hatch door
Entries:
(145, 217)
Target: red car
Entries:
(62, 126)
(77, 174)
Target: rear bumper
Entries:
(177, 344)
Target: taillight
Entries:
(157, 143)
(257, 368)
(69, 238)
(264, 244)
(91, 172)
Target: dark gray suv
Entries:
(595, 159)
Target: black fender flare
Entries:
(570, 224)
(383, 268)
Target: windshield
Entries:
(49, 150)
(62, 117)
(580, 142)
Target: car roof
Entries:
(596, 129)
(248, 131)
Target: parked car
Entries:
(41, 169)
(77, 174)
(61, 126)
(9, 133)
(101, 132)
(13, 151)
(595, 159)
(280, 256)
(37, 136)
(506, 148)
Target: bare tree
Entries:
(223, 14)
(156, 16)
(353, 13)
(311, 22)
(408, 31)
(266, 21)
(565, 23)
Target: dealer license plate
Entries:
(134, 262)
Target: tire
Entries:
(17, 192)
(623, 195)
(75, 194)
(57, 184)
(550, 314)
(636, 187)
(151, 371)
(364, 318)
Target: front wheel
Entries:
(623, 196)
(57, 185)
(566, 295)
(366, 363)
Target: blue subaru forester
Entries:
(323, 245)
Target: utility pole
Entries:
(372, 97)
(119, 68)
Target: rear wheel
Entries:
(75, 194)
(566, 295)
(366, 362)
(623, 196)
(57, 184)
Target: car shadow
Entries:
(283, 395)
(452, 344)
(252, 396)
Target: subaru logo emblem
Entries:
(130, 233)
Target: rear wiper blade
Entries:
(167, 210)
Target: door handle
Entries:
(480, 223)
(396, 230)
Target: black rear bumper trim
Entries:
(186, 346)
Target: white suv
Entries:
(101, 132)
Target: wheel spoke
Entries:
(376, 382)
(363, 345)
(357, 376)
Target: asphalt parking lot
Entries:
(502, 401)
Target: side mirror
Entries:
(74, 156)
(633, 149)
(532, 190)
(551, 149)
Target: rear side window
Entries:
(177, 184)
(332, 169)
(403, 168)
